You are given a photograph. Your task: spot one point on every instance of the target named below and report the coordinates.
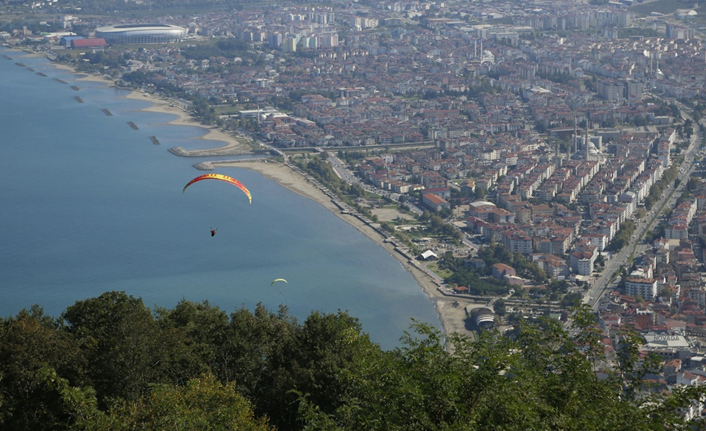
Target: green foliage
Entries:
(201, 404)
(497, 253)
(671, 110)
(559, 78)
(608, 123)
(693, 183)
(122, 343)
(323, 172)
(637, 31)
(296, 95)
(572, 299)
(558, 286)
(499, 307)
(657, 189)
(622, 238)
(28, 342)
(98, 61)
(35, 26)
(654, 234)
(540, 126)
(477, 285)
(112, 363)
(228, 48)
(206, 113)
(542, 379)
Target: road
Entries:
(669, 198)
(346, 175)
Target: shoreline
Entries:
(452, 317)
(231, 145)
(450, 310)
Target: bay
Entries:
(92, 205)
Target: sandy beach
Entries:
(450, 309)
(231, 146)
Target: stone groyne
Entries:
(181, 152)
(211, 165)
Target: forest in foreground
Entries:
(110, 362)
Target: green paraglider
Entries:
(278, 279)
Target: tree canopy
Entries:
(112, 363)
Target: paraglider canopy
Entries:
(278, 279)
(224, 178)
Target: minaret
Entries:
(585, 141)
(574, 139)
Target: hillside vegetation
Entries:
(112, 363)
(664, 6)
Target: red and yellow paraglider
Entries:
(220, 177)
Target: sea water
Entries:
(91, 205)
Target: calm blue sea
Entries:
(91, 205)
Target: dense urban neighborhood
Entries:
(530, 156)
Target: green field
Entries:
(443, 273)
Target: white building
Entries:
(582, 262)
(645, 287)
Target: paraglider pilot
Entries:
(213, 232)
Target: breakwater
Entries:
(181, 152)
(107, 112)
(133, 125)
